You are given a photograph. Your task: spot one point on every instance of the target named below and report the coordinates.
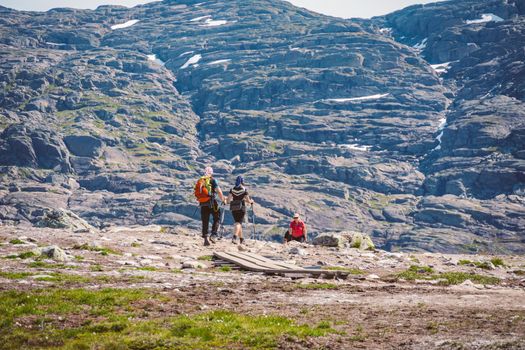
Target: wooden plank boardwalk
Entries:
(256, 263)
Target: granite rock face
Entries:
(407, 127)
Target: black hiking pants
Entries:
(207, 210)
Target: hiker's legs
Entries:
(216, 212)
(237, 230)
(205, 218)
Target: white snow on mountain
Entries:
(356, 147)
(192, 61)
(486, 17)
(125, 25)
(199, 18)
(213, 23)
(385, 31)
(421, 45)
(441, 67)
(363, 98)
(156, 60)
(219, 62)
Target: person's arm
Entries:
(221, 196)
(248, 200)
(229, 199)
(305, 233)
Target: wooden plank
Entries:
(257, 261)
(240, 262)
(264, 259)
(251, 266)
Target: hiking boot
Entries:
(206, 241)
(241, 240)
(212, 239)
(234, 239)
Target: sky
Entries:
(338, 8)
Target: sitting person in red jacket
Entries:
(297, 231)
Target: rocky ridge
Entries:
(342, 120)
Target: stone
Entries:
(84, 145)
(298, 251)
(193, 265)
(55, 253)
(329, 240)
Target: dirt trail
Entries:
(374, 309)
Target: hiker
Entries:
(206, 190)
(297, 230)
(238, 198)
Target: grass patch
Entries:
(447, 278)
(212, 330)
(44, 265)
(205, 258)
(16, 241)
(135, 245)
(147, 268)
(15, 275)
(486, 265)
(344, 269)
(498, 262)
(317, 286)
(225, 268)
(96, 268)
(101, 250)
(460, 277)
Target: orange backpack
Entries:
(203, 189)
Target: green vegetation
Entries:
(498, 262)
(101, 250)
(108, 321)
(147, 268)
(16, 241)
(135, 245)
(15, 275)
(483, 264)
(44, 265)
(344, 269)
(317, 286)
(205, 258)
(225, 268)
(23, 255)
(446, 278)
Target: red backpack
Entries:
(203, 189)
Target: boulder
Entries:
(329, 240)
(56, 253)
(360, 241)
(84, 145)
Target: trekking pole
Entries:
(253, 224)
(221, 228)
(195, 212)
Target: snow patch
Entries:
(421, 45)
(363, 98)
(486, 17)
(55, 44)
(442, 123)
(199, 18)
(155, 59)
(385, 31)
(219, 62)
(213, 23)
(125, 25)
(441, 67)
(356, 147)
(185, 53)
(192, 61)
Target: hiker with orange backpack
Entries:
(238, 198)
(206, 190)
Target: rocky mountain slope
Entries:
(109, 115)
